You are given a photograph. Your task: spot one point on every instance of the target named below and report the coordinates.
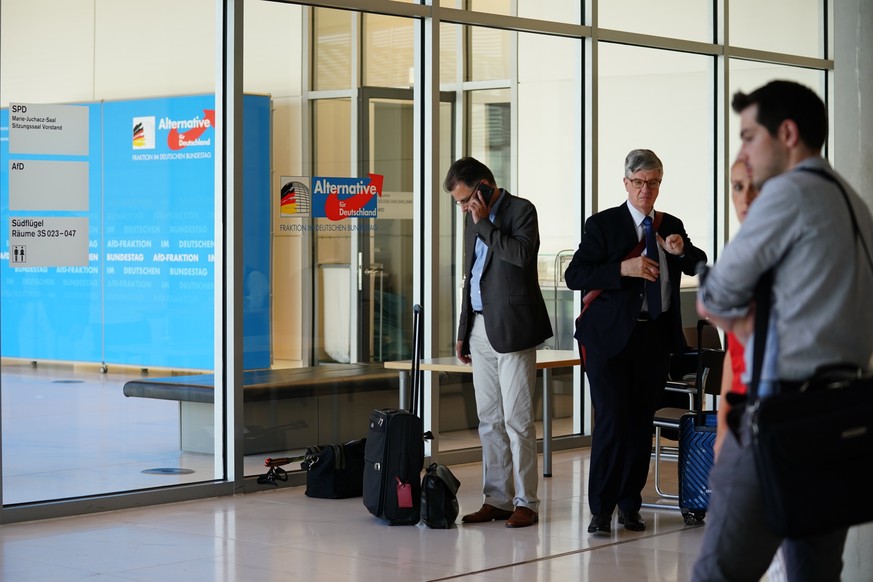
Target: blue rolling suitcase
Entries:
(696, 457)
(394, 454)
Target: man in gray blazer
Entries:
(503, 320)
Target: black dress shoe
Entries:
(600, 523)
(631, 520)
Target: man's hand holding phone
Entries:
(486, 192)
(481, 202)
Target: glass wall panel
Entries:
(663, 101)
(528, 132)
(490, 55)
(685, 19)
(492, 6)
(557, 10)
(782, 26)
(569, 11)
(747, 76)
(123, 295)
(490, 132)
(331, 49)
(341, 281)
(328, 95)
(450, 66)
(550, 151)
(447, 253)
(388, 57)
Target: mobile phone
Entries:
(487, 191)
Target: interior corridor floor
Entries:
(280, 534)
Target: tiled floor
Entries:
(284, 535)
(280, 534)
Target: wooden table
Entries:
(546, 360)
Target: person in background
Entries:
(800, 228)
(743, 192)
(628, 332)
(503, 320)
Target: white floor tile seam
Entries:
(533, 537)
(547, 558)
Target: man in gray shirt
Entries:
(801, 228)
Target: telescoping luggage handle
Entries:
(702, 419)
(416, 403)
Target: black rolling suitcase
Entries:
(696, 457)
(394, 454)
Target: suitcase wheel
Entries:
(693, 517)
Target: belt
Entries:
(477, 312)
(644, 316)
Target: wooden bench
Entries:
(283, 409)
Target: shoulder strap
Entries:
(831, 178)
(634, 252)
(762, 322)
(592, 294)
(638, 250)
(765, 283)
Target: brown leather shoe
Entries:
(487, 513)
(522, 517)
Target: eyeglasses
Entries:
(464, 201)
(467, 199)
(638, 184)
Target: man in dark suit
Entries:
(628, 332)
(503, 320)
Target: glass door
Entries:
(385, 250)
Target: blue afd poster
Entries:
(158, 205)
(147, 296)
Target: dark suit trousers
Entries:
(625, 391)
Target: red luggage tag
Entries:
(404, 494)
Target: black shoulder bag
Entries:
(439, 497)
(812, 444)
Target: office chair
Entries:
(706, 379)
(683, 367)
